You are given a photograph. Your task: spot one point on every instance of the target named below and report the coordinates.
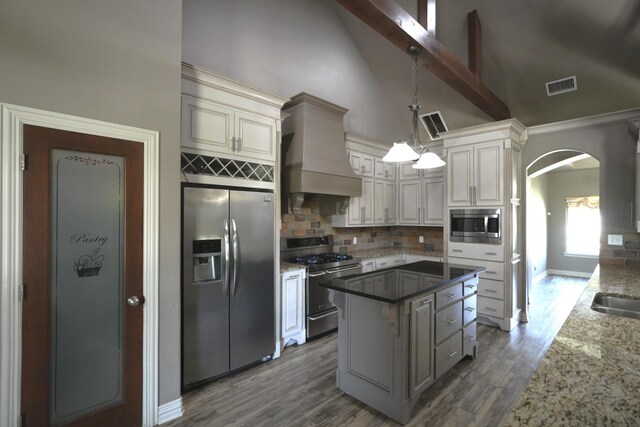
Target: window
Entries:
(583, 226)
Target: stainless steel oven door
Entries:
(322, 316)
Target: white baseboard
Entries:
(570, 273)
(539, 277)
(170, 411)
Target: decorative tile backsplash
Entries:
(309, 222)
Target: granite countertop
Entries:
(402, 282)
(369, 253)
(591, 373)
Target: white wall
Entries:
(116, 61)
(290, 46)
(537, 225)
(561, 185)
(613, 146)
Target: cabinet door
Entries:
(292, 302)
(421, 345)
(459, 176)
(409, 195)
(390, 202)
(206, 125)
(255, 137)
(354, 211)
(384, 170)
(362, 164)
(433, 201)
(408, 172)
(380, 200)
(488, 174)
(367, 201)
(369, 265)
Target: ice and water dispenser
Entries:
(206, 261)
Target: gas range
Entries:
(324, 265)
(311, 251)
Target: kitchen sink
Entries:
(617, 306)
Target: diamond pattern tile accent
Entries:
(216, 166)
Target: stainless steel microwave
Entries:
(476, 226)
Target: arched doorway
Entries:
(562, 216)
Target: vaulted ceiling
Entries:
(524, 45)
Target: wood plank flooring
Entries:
(299, 389)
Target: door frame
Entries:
(12, 119)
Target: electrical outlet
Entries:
(421, 239)
(615, 239)
(355, 240)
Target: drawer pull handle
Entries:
(490, 291)
(451, 322)
(451, 295)
(452, 354)
(490, 309)
(470, 286)
(456, 250)
(490, 272)
(491, 253)
(471, 338)
(469, 309)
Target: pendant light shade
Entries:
(400, 152)
(428, 160)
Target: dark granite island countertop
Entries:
(396, 284)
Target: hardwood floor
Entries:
(299, 389)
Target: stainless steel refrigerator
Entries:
(227, 281)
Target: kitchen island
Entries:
(400, 329)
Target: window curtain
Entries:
(592, 202)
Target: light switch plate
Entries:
(355, 240)
(421, 239)
(615, 239)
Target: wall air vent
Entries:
(556, 87)
(434, 124)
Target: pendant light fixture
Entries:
(403, 152)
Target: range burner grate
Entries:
(320, 258)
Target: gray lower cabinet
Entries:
(388, 354)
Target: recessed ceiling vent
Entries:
(434, 124)
(556, 87)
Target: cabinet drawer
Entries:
(491, 288)
(494, 270)
(448, 321)
(469, 340)
(448, 354)
(448, 295)
(388, 261)
(469, 305)
(491, 307)
(470, 286)
(476, 251)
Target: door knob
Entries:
(135, 301)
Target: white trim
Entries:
(569, 273)
(170, 411)
(572, 255)
(11, 181)
(584, 122)
(539, 277)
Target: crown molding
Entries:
(599, 119)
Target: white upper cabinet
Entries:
(409, 202)
(433, 201)
(224, 118)
(362, 164)
(385, 202)
(475, 175)
(384, 170)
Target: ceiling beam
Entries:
(427, 15)
(474, 43)
(391, 21)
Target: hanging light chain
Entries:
(414, 107)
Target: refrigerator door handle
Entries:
(225, 282)
(234, 242)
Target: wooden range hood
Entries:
(400, 28)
